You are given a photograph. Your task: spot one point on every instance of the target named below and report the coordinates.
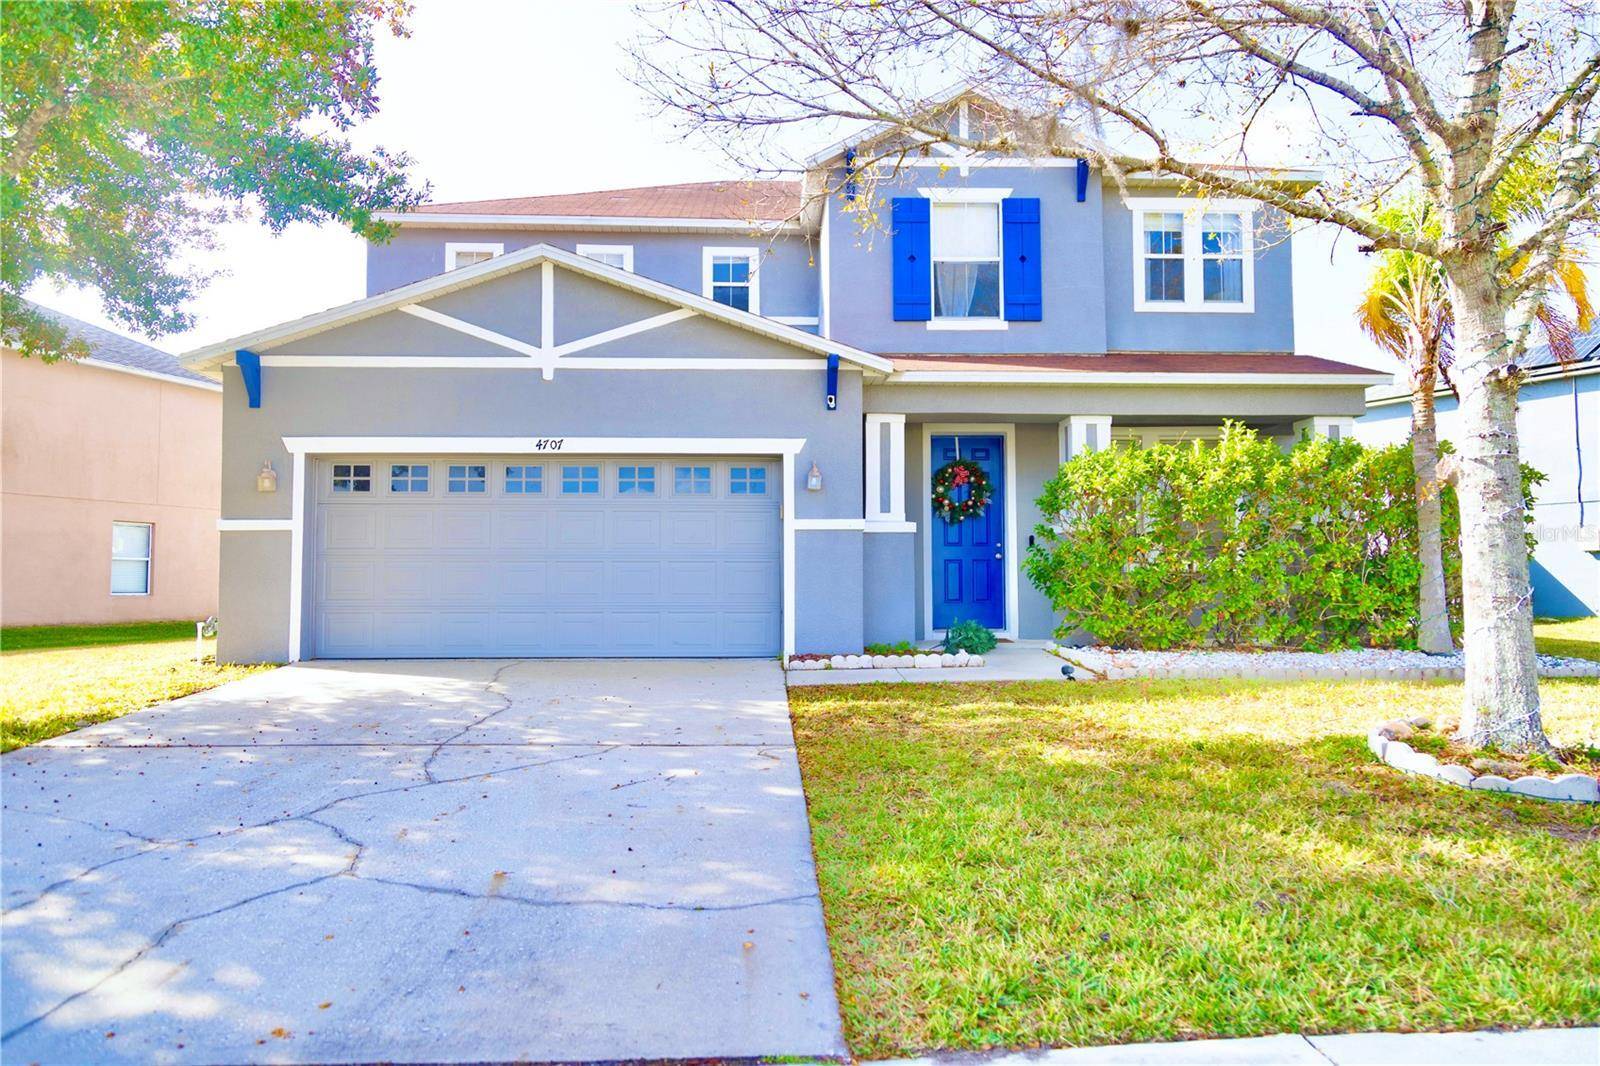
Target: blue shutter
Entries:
(1019, 218)
(913, 262)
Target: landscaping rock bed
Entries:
(928, 660)
(1386, 743)
(1373, 664)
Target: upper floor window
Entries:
(458, 254)
(728, 276)
(617, 255)
(1193, 255)
(965, 242)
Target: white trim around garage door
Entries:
(301, 447)
(1013, 560)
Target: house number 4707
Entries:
(549, 444)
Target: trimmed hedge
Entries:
(1242, 545)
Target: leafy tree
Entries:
(131, 129)
(1450, 98)
(1406, 311)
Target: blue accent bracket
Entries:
(833, 383)
(850, 174)
(1083, 180)
(250, 370)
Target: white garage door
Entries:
(567, 556)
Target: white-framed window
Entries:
(458, 254)
(524, 480)
(1193, 255)
(352, 477)
(409, 478)
(965, 241)
(729, 276)
(617, 255)
(132, 546)
(1138, 438)
(468, 477)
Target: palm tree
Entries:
(1406, 311)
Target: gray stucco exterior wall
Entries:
(889, 613)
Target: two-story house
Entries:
(703, 420)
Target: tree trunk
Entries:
(1433, 614)
(1501, 703)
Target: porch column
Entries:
(1334, 427)
(885, 457)
(1081, 434)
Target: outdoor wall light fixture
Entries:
(267, 478)
(814, 479)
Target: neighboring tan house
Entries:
(703, 420)
(109, 486)
(1558, 433)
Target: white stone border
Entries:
(1568, 788)
(1103, 664)
(919, 661)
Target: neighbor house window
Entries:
(130, 558)
(691, 481)
(469, 477)
(966, 260)
(1192, 255)
(524, 480)
(461, 254)
(580, 480)
(636, 480)
(408, 477)
(617, 255)
(352, 477)
(729, 277)
(747, 481)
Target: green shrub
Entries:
(903, 647)
(1240, 544)
(969, 636)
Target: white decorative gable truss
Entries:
(545, 355)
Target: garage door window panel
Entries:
(636, 480)
(691, 481)
(470, 478)
(580, 481)
(408, 478)
(747, 481)
(524, 480)
(352, 477)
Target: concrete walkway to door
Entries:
(420, 861)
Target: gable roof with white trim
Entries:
(210, 358)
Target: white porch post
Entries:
(1081, 434)
(884, 452)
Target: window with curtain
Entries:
(1163, 256)
(1222, 256)
(966, 260)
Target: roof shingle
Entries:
(741, 201)
(109, 347)
(1134, 363)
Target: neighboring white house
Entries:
(1558, 426)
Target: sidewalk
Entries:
(1529, 1047)
(1022, 660)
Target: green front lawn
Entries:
(54, 679)
(1577, 637)
(1056, 863)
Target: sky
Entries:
(524, 98)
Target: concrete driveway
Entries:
(422, 861)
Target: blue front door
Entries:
(969, 557)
